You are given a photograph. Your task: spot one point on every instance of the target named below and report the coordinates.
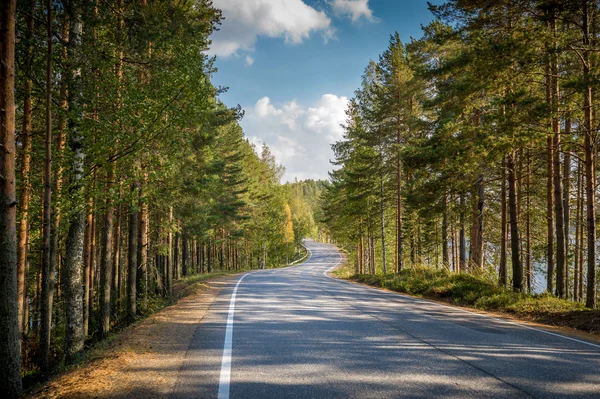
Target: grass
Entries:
(482, 293)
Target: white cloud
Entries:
(299, 137)
(245, 20)
(355, 9)
(249, 60)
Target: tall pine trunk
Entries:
(25, 189)
(10, 363)
(590, 160)
(132, 253)
(445, 256)
(549, 194)
(557, 178)
(566, 205)
(47, 272)
(382, 221)
(142, 255)
(462, 245)
(503, 231)
(106, 258)
(514, 225)
(74, 334)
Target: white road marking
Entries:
(225, 378)
(334, 266)
(463, 310)
(224, 381)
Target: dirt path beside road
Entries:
(143, 361)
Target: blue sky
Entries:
(293, 64)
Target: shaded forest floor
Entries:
(479, 293)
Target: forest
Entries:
(121, 173)
(474, 149)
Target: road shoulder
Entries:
(143, 360)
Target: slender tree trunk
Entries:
(132, 254)
(176, 266)
(514, 226)
(578, 223)
(116, 259)
(528, 224)
(25, 192)
(549, 193)
(170, 262)
(91, 277)
(73, 264)
(382, 217)
(462, 246)
(10, 364)
(566, 206)
(581, 230)
(503, 231)
(106, 258)
(210, 258)
(142, 255)
(47, 272)
(476, 254)
(185, 254)
(445, 256)
(399, 237)
(590, 161)
(558, 194)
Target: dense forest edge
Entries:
(467, 171)
(124, 179)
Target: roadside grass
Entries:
(481, 292)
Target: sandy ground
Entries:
(144, 361)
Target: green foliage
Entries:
(465, 290)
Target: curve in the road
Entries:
(300, 334)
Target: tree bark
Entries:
(132, 253)
(503, 231)
(578, 203)
(566, 206)
(558, 194)
(549, 194)
(25, 192)
(399, 237)
(185, 253)
(476, 254)
(10, 364)
(514, 226)
(462, 246)
(47, 272)
(74, 254)
(445, 256)
(382, 217)
(142, 255)
(590, 161)
(106, 258)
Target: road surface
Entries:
(297, 333)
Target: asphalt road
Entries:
(296, 333)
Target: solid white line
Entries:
(226, 361)
(460, 309)
(334, 266)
